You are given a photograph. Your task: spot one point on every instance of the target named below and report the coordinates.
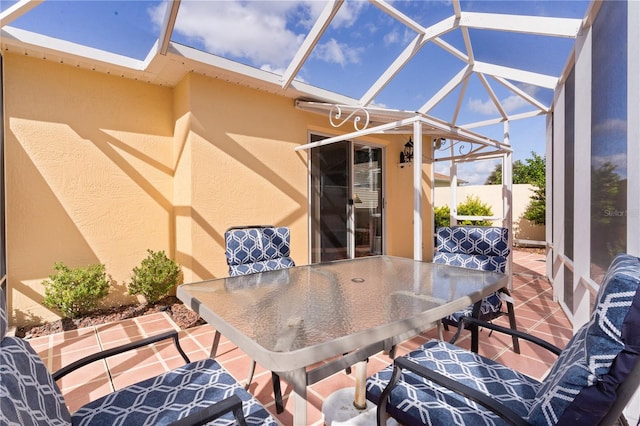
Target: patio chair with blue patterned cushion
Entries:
(252, 249)
(590, 383)
(200, 392)
(478, 247)
(257, 248)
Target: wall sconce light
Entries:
(406, 155)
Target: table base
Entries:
(338, 409)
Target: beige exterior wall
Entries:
(240, 168)
(88, 175)
(523, 229)
(400, 208)
(100, 168)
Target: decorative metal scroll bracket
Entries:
(360, 117)
(462, 148)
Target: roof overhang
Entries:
(162, 69)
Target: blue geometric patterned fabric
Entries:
(28, 394)
(171, 396)
(486, 240)
(581, 385)
(472, 261)
(579, 389)
(475, 247)
(251, 250)
(415, 400)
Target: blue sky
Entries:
(360, 44)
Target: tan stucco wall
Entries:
(100, 168)
(240, 168)
(88, 175)
(400, 207)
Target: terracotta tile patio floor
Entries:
(536, 312)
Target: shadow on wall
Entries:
(26, 318)
(121, 292)
(524, 229)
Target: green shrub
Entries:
(537, 209)
(441, 216)
(155, 276)
(76, 291)
(472, 206)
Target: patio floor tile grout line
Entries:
(104, 361)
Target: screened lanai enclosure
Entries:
(331, 117)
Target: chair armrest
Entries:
(483, 399)
(521, 335)
(212, 412)
(120, 349)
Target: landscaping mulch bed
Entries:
(180, 314)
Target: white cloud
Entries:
(308, 12)
(268, 33)
(482, 107)
(391, 38)
(472, 173)
(529, 89)
(408, 36)
(348, 13)
(156, 13)
(394, 37)
(476, 172)
(510, 104)
(619, 160)
(611, 126)
(269, 68)
(513, 103)
(442, 167)
(337, 53)
(611, 131)
(375, 104)
(254, 30)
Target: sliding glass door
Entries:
(346, 201)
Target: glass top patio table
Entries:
(289, 319)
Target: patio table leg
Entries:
(298, 378)
(360, 401)
(475, 332)
(214, 345)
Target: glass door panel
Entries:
(330, 184)
(367, 200)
